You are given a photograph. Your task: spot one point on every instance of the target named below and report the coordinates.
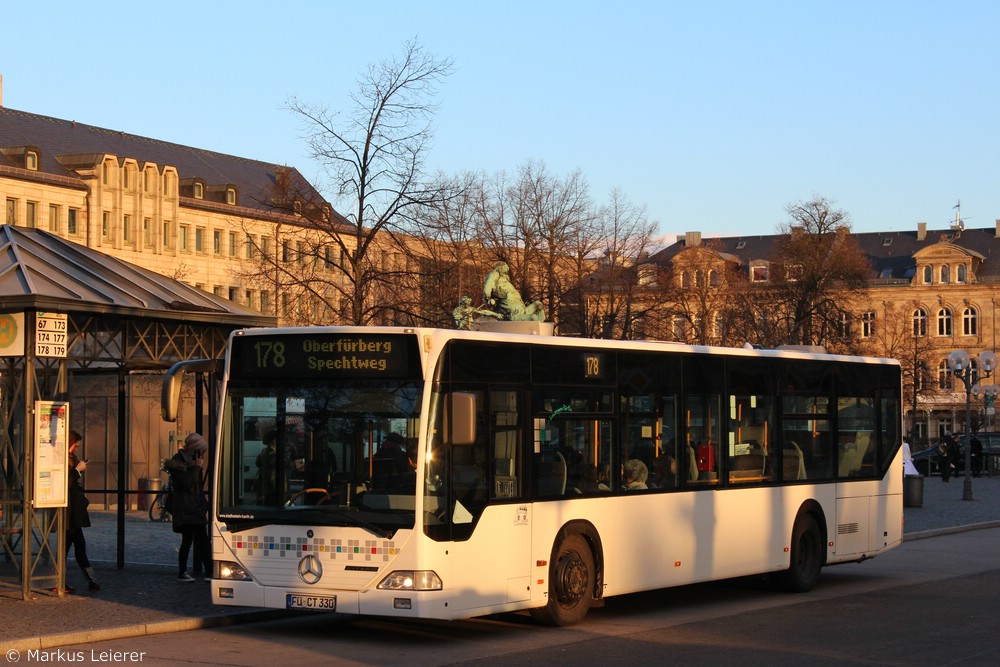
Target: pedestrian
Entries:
(944, 460)
(77, 516)
(976, 453)
(189, 507)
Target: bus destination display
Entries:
(307, 355)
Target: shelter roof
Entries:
(43, 272)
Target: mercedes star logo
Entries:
(310, 569)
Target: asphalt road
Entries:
(930, 602)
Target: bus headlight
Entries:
(411, 580)
(233, 571)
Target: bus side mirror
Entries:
(460, 418)
(170, 395)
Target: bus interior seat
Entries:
(692, 463)
(746, 465)
(852, 454)
(793, 466)
(551, 474)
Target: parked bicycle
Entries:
(159, 509)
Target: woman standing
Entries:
(77, 516)
(189, 506)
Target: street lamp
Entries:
(970, 374)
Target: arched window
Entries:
(961, 273)
(945, 274)
(713, 278)
(845, 325)
(944, 322)
(928, 275)
(699, 278)
(685, 280)
(969, 322)
(920, 322)
(944, 376)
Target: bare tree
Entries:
(817, 275)
(374, 157)
(621, 291)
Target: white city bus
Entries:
(426, 473)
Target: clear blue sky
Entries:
(714, 115)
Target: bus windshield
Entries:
(319, 452)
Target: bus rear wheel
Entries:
(806, 557)
(571, 584)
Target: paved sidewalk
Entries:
(146, 598)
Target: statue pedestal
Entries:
(531, 328)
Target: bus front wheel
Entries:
(806, 556)
(571, 584)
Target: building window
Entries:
(969, 322)
(231, 196)
(868, 324)
(31, 215)
(265, 301)
(945, 274)
(845, 325)
(758, 274)
(199, 191)
(182, 241)
(127, 229)
(105, 226)
(234, 294)
(71, 215)
(928, 275)
(248, 298)
(166, 234)
(31, 161)
(217, 242)
(126, 178)
(106, 173)
(265, 247)
(713, 278)
(53, 218)
(944, 322)
(232, 244)
(199, 239)
(944, 376)
(11, 211)
(147, 232)
(300, 254)
(919, 322)
(251, 252)
(961, 273)
(217, 291)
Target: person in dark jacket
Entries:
(77, 516)
(189, 506)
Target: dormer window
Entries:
(199, 191)
(740, 245)
(31, 160)
(231, 196)
(886, 242)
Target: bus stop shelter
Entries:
(84, 342)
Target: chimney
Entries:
(692, 239)
(1, 90)
(997, 233)
(921, 231)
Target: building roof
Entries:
(43, 272)
(55, 138)
(891, 254)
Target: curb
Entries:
(142, 630)
(924, 534)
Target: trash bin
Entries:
(148, 488)
(913, 491)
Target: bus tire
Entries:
(571, 583)
(806, 556)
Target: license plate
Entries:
(313, 602)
